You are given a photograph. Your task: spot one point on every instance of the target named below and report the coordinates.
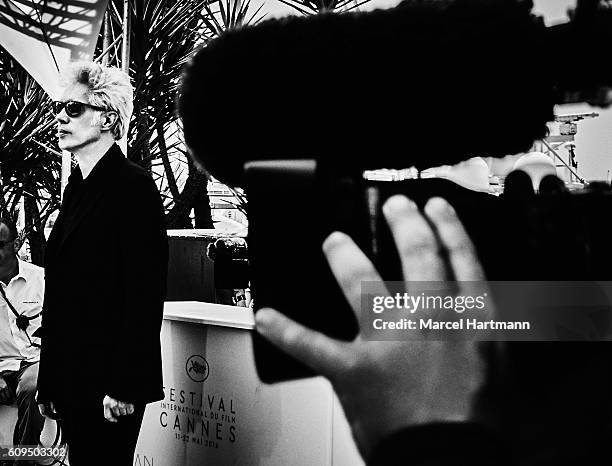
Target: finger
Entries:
(42, 410)
(416, 243)
(350, 266)
(52, 409)
(130, 408)
(462, 255)
(108, 415)
(116, 411)
(122, 410)
(314, 349)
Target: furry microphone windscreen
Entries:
(424, 83)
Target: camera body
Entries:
(295, 204)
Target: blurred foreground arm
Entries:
(391, 389)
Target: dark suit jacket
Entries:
(105, 272)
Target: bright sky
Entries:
(552, 10)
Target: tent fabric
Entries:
(43, 36)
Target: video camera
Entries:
(422, 84)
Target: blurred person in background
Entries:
(22, 287)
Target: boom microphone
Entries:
(425, 83)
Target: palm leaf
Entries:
(313, 7)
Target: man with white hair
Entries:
(106, 267)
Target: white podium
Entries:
(217, 412)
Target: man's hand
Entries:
(48, 410)
(6, 395)
(115, 408)
(386, 385)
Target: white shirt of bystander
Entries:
(26, 292)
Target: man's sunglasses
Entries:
(73, 108)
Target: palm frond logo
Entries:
(197, 368)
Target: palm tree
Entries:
(164, 35)
(30, 161)
(313, 7)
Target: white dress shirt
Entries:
(25, 291)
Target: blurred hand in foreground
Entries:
(387, 385)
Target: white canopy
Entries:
(43, 36)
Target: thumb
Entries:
(323, 354)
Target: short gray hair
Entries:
(108, 88)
